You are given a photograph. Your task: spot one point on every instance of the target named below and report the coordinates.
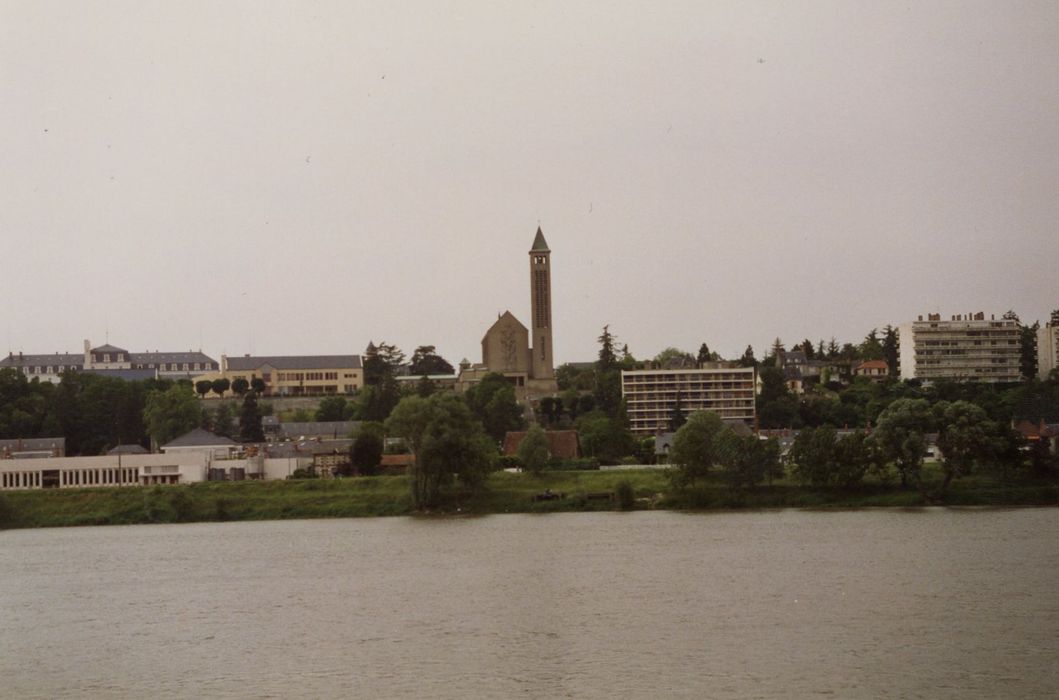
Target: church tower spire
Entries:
(541, 366)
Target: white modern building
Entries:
(651, 394)
(966, 347)
(1048, 347)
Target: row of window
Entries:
(308, 376)
(162, 367)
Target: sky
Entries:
(303, 177)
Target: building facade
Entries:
(964, 348)
(109, 360)
(295, 375)
(523, 355)
(1048, 347)
(652, 394)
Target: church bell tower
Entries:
(541, 366)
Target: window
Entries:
(121, 357)
(197, 365)
(106, 357)
(186, 367)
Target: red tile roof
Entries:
(561, 443)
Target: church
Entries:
(523, 355)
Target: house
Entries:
(200, 440)
(561, 443)
(875, 370)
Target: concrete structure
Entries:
(107, 470)
(522, 355)
(967, 347)
(1048, 347)
(110, 360)
(295, 375)
(651, 395)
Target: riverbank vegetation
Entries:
(500, 492)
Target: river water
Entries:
(929, 603)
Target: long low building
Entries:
(105, 470)
(652, 394)
(294, 375)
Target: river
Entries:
(927, 603)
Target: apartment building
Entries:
(966, 347)
(1048, 346)
(651, 394)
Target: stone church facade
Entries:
(523, 355)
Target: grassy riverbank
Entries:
(504, 493)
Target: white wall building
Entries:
(1048, 347)
(651, 394)
(966, 347)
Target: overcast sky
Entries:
(303, 177)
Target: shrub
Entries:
(626, 495)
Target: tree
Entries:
(807, 348)
(219, 386)
(748, 359)
(446, 440)
(693, 451)
(492, 401)
(171, 413)
(607, 359)
(257, 384)
(381, 362)
(965, 436)
(901, 437)
(676, 416)
(222, 423)
(746, 460)
(250, 420)
(813, 456)
(1028, 356)
(333, 408)
(426, 361)
(425, 386)
(240, 386)
(203, 387)
(673, 358)
(366, 451)
(871, 348)
(605, 438)
(533, 450)
(704, 354)
(890, 349)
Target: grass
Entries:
(504, 493)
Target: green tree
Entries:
(493, 402)
(367, 448)
(890, 349)
(533, 450)
(240, 386)
(745, 459)
(676, 416)
(381, 363)
(203, 387)
(608, 360)
(219, 386)
(333, 408)
(223, 420)
(1028, 356)
(446, 440)
(693, 451)
(966, 436)
(171, 413)
(901, 437)
(813, 456)
(426, 361)
(673, 358)
(704, 354)
(250, 420)
(257, 385)
(748, 359)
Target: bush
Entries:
(508, 462)
(7, 513)
(626, 495)
(181, 503)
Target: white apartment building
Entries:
(651, 394)
(967, 347)
(1048, 347)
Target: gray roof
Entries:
(200, 438)
(33, 444)
(291, 362)
(155, 357)
(539, 244)
(305, 448)
(127, 450)
(109, 348)
(65, 359)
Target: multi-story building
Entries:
(652, 394)
(964, 348)
(113, 361)
(295, 375)
(1048, 346)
